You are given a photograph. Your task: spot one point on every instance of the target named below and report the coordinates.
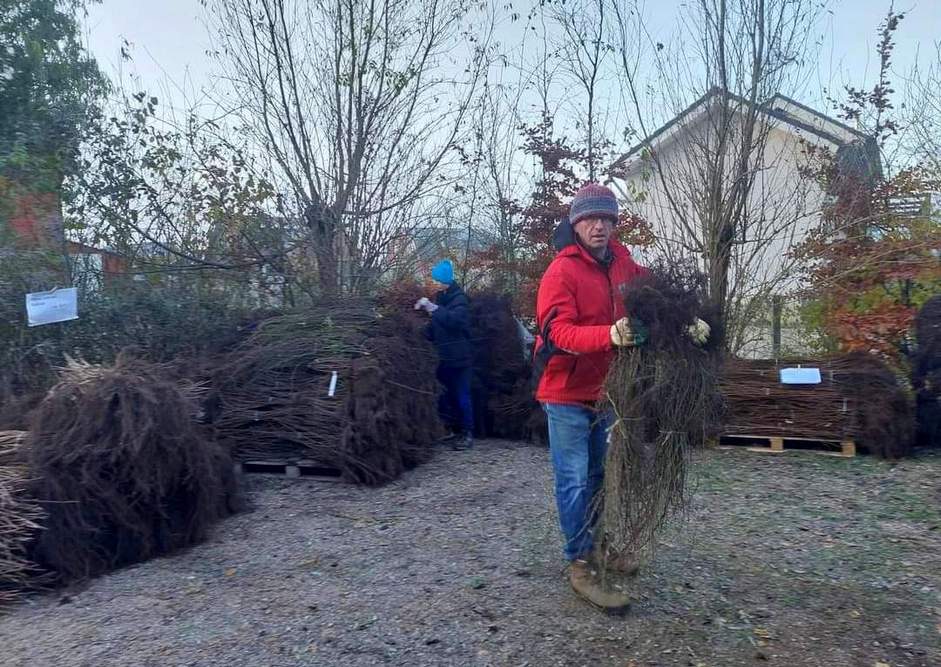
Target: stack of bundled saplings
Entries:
(392, 415)
(858, 398)
(120, 471)
(885, 416)
(756, 403)
(19, 520)
(348, 386)
(502, 388)
(926, 373)
(663, 400)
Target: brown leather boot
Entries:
(586, 584)
(623, 563)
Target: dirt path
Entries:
(795, 560)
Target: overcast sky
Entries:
(169, 39)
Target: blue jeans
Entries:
(457, 393)
(578, 441)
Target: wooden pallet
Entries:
(292, 469)
(776, 444)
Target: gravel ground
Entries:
(791, 560)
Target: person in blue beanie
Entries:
(450, 333)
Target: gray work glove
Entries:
(623, 334)
(699, 332)
(425, 304)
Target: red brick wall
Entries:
(37, 220)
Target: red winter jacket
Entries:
(579, 299)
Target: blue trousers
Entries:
(457, 394)
(578, 441)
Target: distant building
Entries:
(35, 227)
(657, 177)
(415, 252)
(36, 221)
(94, 268)
(792, 129)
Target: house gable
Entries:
(782, 112)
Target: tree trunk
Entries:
(719, 277)
(323, 226)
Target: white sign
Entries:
(59, 305)
(800, 376)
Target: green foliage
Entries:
(48, 83)
(163, 322)
(184, 189)
(812, 316)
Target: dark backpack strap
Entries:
(545, 351)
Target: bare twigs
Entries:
(121, 469)
(662, 398)
(19, 520)
(380, 418)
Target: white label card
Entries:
(59, 305)
(800, 376)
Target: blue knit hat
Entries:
(443, 272)
(593, 201)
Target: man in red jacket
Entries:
(581, 319)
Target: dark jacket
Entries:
(450, 327)
(578, 301)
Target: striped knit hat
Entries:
(593, 200)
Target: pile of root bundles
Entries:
(926, 373)
(10, 442)
(885, 419)
(20, 518)
(379, 419)
(391, 416)
(858, 398)
(504, 404)
(662, 398)
(120, 469)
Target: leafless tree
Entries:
(502, 175)
(922, 139)
(170, 194)
(585, 53)
(359, 105)
(719, 185)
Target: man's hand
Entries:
(623, 334)
(425, 304)
(699, 332)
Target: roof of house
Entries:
(79, 248)
(779, 107)
(431, 242)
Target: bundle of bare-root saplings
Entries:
(662, 398)
(502, 383)
(926, 373)
(120, 469)
(347, 386)
(858, 398)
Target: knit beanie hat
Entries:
(593, 200)
(443, 272)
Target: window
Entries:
(86, 270)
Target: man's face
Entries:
(594, 233)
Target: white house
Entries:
(665, 179)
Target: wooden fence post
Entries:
(777, 305)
